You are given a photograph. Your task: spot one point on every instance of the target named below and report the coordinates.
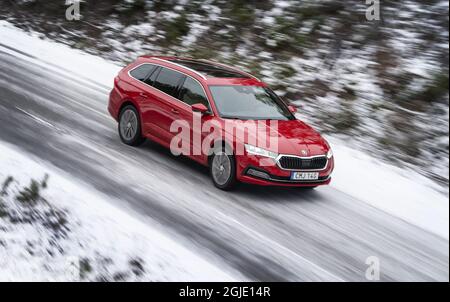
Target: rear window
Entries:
(167, 81)
(141, 72)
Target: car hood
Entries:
(292, 137)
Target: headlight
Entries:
(329, 154)
(260, 151)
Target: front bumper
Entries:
(270, 174)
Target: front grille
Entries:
(296, 163)
(281, 179)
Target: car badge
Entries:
(304, 152)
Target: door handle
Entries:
(143, 94)
(175, 111)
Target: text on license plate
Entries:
(304, 175)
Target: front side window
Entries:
(167, 81)
(140, 73)
(249, 103)
(192, 93)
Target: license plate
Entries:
(304, 175)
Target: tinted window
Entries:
(141, 72)
(167, 81)
(249, 103)
(192, 93)
(151, 79)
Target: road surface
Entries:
(265, 234)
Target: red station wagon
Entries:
(154, 95)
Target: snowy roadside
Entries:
(76, 234)
(400, 192)
(56, 56)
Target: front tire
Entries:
(130, 126)
(222, 169)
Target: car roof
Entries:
(212, 72)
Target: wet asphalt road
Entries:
(268, 234)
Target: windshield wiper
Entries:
(232, 117)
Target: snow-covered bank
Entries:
(402, 193)
(107, 242)
(32, 46)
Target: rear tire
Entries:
(130, 126)
(222, 168)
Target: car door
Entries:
(140, 92)
(191, 92)
(149, 102)
(164, 103)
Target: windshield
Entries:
(249, 103)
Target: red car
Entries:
(155, 97)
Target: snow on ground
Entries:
(400, 192)
(57, 56)
(109, 243)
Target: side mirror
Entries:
(292, 109)
(199, 107)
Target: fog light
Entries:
(257, 173)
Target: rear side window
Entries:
(192, 93)
(151, 79)
(167, 81)
(140, 73)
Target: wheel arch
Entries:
(221, 142)
(128, 102)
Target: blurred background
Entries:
(73, 196)
(380, 85)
